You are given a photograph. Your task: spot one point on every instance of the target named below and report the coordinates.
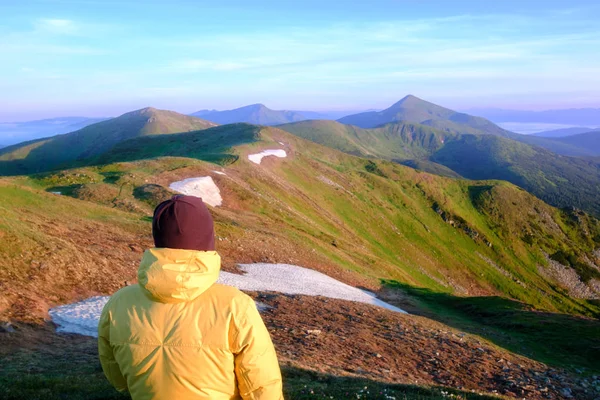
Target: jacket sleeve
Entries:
(105, 351)
(256, 367)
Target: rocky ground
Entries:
(347, 339)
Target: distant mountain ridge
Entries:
(259, 114)
(53, 152)
(574, 116)
(587, 140)
(555, 133)
(415, 110)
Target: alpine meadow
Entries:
(367, 243)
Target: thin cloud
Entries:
(59, 26)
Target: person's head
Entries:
(183, 222)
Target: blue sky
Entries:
(103, 58)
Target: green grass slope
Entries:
(212, 145)
(394, 141)
(415, 110)
(559, 180)
(348, 215)
(59, 151)
(589, 141)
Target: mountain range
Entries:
(260, 114)
(336, 211)
(513, 280)
(563, 132)
(444, 142)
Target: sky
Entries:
(105, 57)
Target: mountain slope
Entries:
(589, 141)
(355, 219)
(252, 114)
(48, 153)
(556, 133)
(561, 181)
(412, 109)
(395, 141)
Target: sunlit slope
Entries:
(63, 150)
(360, 219)
(558, 180)
(56, 248)
(394, 141)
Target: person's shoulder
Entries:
(229, 292)
(127, 292)
(231, 295)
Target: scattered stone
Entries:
(566, 392)
(6, 327)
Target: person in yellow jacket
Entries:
(177, 334)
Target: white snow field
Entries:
(291, 279)
(82, 317)
(257, 158)
(203, 187)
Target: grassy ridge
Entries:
(76, 147)
(560, 181)
(377, 218)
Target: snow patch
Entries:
(291, 279)
(219, 173)
(203, 187)
(82, 317)
(257, 158)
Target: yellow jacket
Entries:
(178, 335)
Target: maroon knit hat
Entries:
(183, 222)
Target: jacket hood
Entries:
(174, 275)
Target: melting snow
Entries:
(292, 279)
(82, 317)
(203, 187)
(257, 158)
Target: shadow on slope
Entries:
(210, 145)
(50, 366)
(558, 340)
